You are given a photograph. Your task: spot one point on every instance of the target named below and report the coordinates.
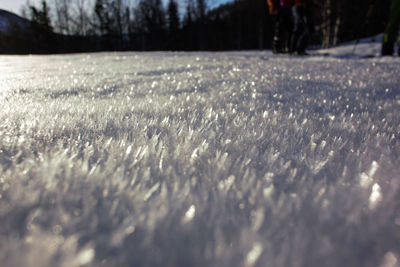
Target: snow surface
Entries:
(370, 46)
(199, 159)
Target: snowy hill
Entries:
(8, 19)
(367, 47)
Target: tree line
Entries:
(148, 25)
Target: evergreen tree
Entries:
(41, 18)
(201, 21)
(150, 24)
(173, 25)
(201, 10)
(189, 26)
(43, 39)
(173, 17)
(190, 14)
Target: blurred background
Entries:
(66, 26)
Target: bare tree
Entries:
(72, 16)
(150, 23)
(81, 19)
(24, 10)
(62, 16)
(118, 14)
(331, 22)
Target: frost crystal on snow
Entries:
(199, 159)
(366, 179)
(254, 254)
(190, 213)
(85, 256)
(389, 260)
(376, 196)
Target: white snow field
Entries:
(199, 159)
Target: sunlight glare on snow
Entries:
(257, 219)
(189, 214)
(234, 163)
(151, 191)
(375, 197)
(366, 179)
(254, 254)
(268, 191)
(85, 256)
(389, 260)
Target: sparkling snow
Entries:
(199, 159)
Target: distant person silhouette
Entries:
(301, 30)
(392, 29)
(281, 11)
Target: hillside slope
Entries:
(8, 19)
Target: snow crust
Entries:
(199, 159)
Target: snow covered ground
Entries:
(199, 159)
(366, 47)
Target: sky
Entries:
(15, 5)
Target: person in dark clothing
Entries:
(301, 30)
(273, 7)
(392, 29)
(281, 11)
